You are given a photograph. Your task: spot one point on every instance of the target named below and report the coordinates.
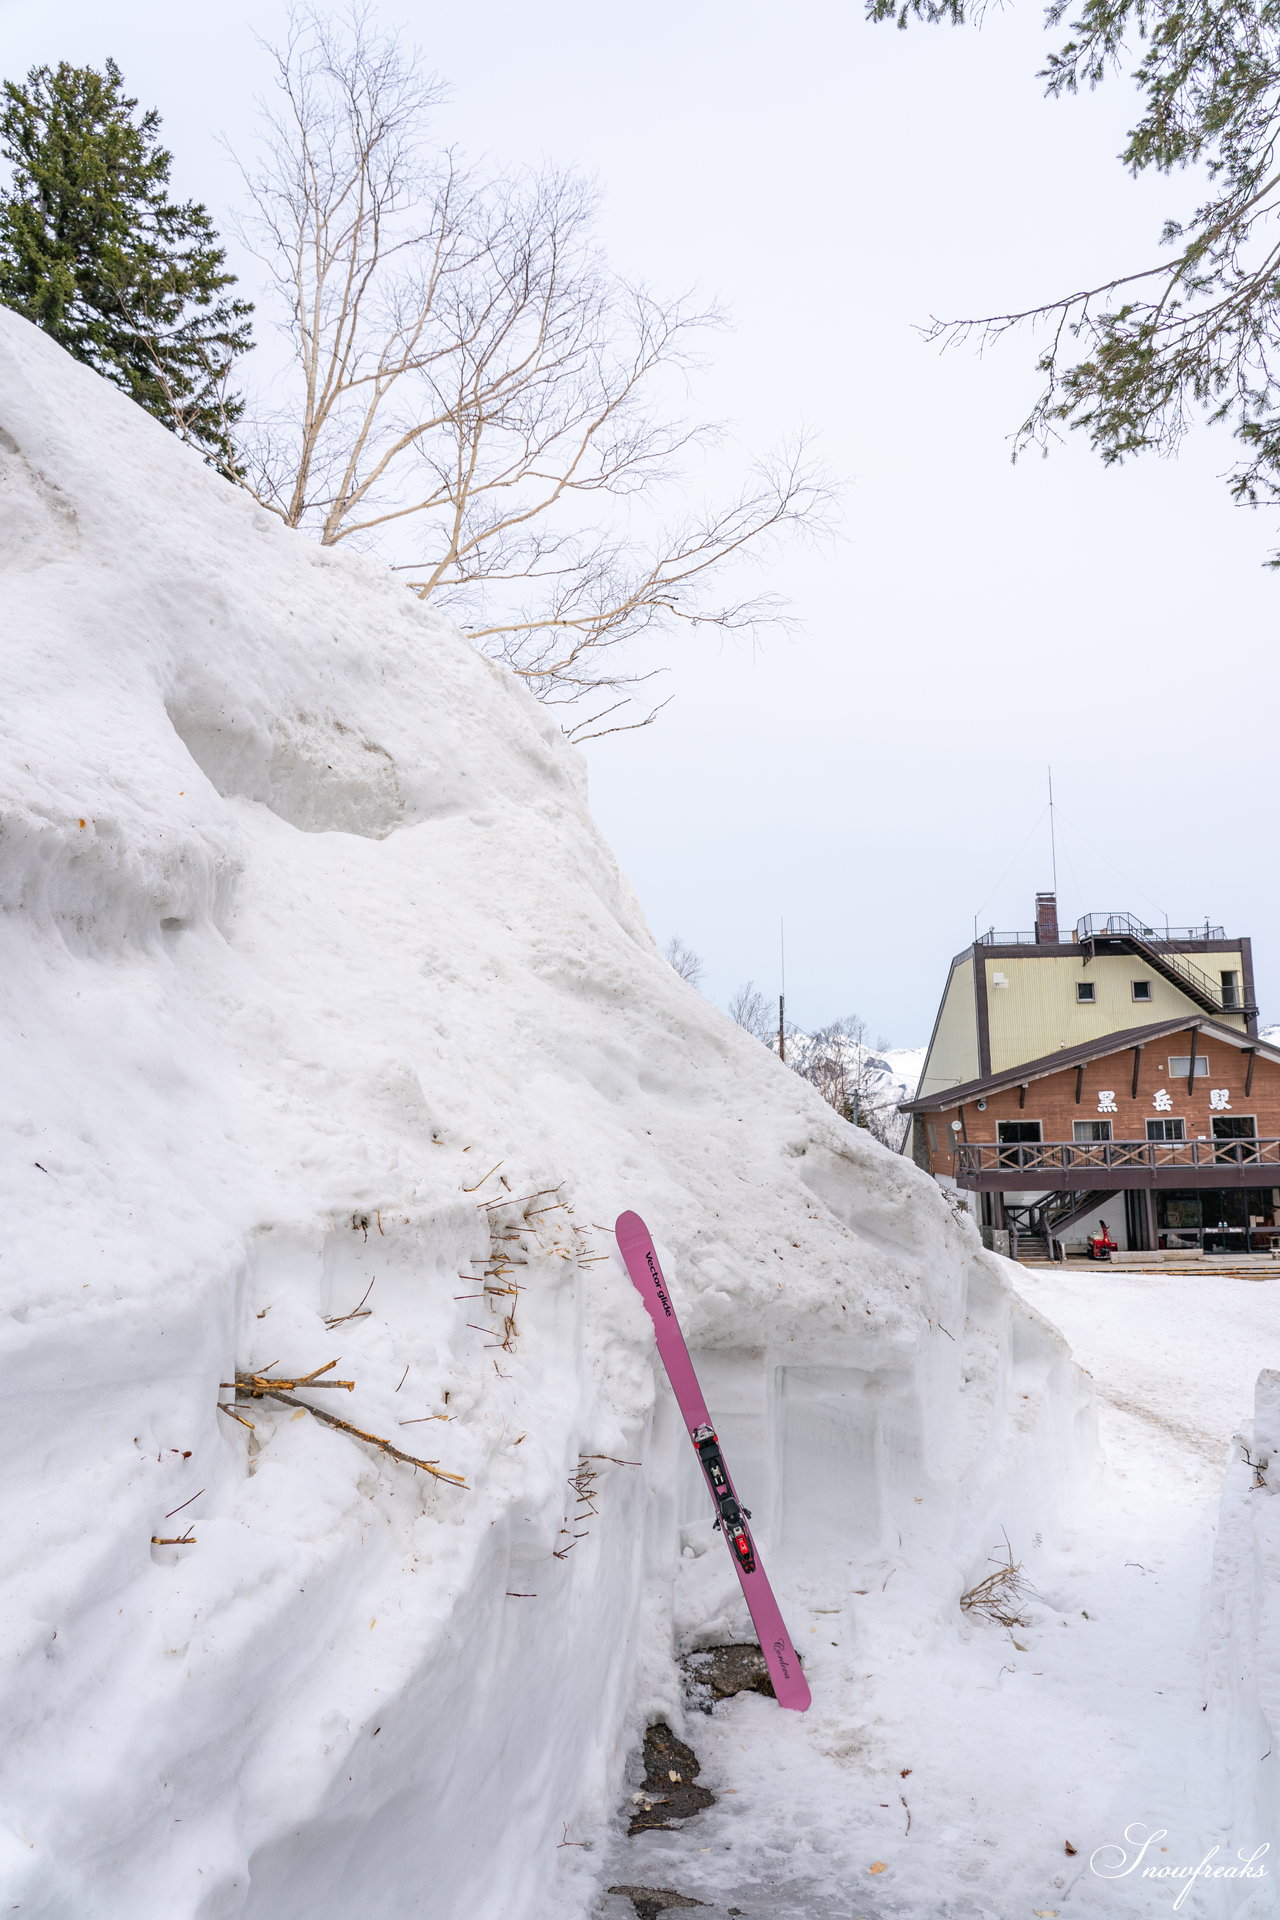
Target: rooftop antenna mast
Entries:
(1053, 837)
(782, 997)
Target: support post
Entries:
(782, 1028)
(1248, 1073)
(1191, 1063)
(1079, 1083)
(1137, 1062)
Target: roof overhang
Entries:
(1100, 1049)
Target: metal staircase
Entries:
(1121, 929)
(1048, 1217)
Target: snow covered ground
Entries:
(1132, 1703)
(333, 1034)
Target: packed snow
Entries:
(334, 1035)
(1082, 1762)
(328, 1006)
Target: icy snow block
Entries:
(1266, 1417)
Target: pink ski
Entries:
(789, 1683)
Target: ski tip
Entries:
(629, 1226)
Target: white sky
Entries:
(871, 778)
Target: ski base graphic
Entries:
(636, 1246)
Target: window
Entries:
(1015, 1132)
(1230, 989)
(1234, 1135)
(1180, 1066)
(1166, 1130)
(1084, 992)
(1142, 989)
(1085, 1132)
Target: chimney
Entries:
(1046, 919)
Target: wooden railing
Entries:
(974, 1157)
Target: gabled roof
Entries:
(1099, 1049)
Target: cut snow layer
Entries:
(333, 1034)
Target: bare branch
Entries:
(468, 373)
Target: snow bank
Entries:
(1245, 1646)
(313, 956)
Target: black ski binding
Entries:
(731, 1516)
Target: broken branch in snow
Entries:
(375, 1440)
(257, 1386)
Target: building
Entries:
(1117, 1074)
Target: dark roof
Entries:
(1098, 1049)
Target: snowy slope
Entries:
(905, 1064)
(313, 954)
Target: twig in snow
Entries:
(403, 1377)
(487, 1206)
(186, 1539)
(903, 1798)
(375, 1440)
(567, 1842)
(1259, 1468)
(185, 1503)
(999, 1596)
(225, 1406)
(358, 1312)
(484, 1176)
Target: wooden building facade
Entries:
(1169, 1127)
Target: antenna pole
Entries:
(1053, 837)
(782, 997)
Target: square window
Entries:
(1018, 1132)
(1166, 1130)
(1086, 1132)
(1180, 1066)
(1142, 989)
(1084, 991)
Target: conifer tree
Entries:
(94, 251)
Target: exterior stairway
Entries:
(1122, 930)
(1050, 1216)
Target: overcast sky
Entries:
(873, 777)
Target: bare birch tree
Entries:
(473, 390)
(749, 1009)
(680, 955)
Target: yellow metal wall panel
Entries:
(1036, 1011)
(953, 1057)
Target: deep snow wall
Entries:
(332, 1032)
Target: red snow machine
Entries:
(1101, 1246)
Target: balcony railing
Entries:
(1051, 1157)
(1097, 926)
